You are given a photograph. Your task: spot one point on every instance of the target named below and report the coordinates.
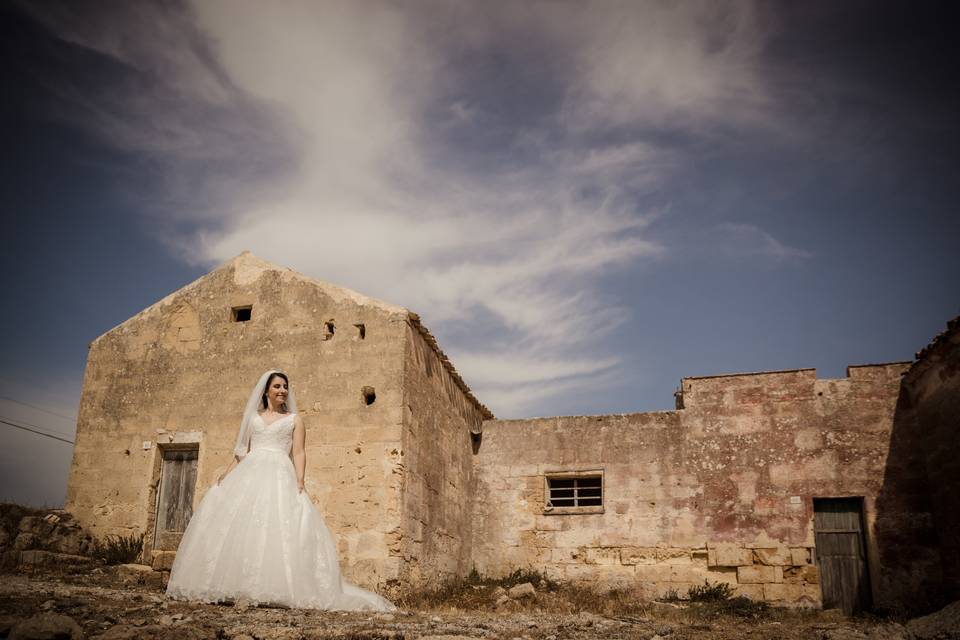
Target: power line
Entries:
(36, 383)
(39, 433)
(35, 426)
(33, 406)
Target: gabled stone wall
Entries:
(180, 371)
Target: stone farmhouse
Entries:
(792, 489)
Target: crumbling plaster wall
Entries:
(933, 415)
(439, 415)
(721, 490)
(181, 371)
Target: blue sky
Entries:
(584, 201)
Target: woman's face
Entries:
(277, 391)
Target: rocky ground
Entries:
(80, 603)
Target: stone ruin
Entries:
(789, 488)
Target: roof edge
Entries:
(256, 262)
(749, 373)
(939, 341)
(414, 320)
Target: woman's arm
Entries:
(299, 453)
(233, 463)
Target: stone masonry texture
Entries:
(420, 484)
(721, 490)
(178, 374)
(929, 437)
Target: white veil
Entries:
(253, 406)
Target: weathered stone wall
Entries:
(439, 417)
(721, 490)
(932, 415)
(181, 370)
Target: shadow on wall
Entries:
(918, 509)
(910, 576)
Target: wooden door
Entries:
(178, 478)
(841, 553)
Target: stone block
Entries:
(603, 555)
(799, 556)
(758, 574)
(806, 574)
(752, 591)
(687, 573)
(25, 540)
(36, 525)
(520, 591)
(726, 575)
(163, 560)
(777, 557)
(674, 556)
(654, 572)
(568, 555)
(534, 538)
(41, 558)
(638, 555)
(726, 554)
(609, 576)
(791, 593)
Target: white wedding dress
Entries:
(254, 536)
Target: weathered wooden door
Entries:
(841, 553)
(178, 478)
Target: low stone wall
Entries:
(23, 529)
(721, 490)
(783, 575)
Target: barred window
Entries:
(574, 492)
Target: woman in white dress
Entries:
(256, 535)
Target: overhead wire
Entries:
(33, 406)
(35, 430)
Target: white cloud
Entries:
(739, 239)
(313, 134)
(689, 62)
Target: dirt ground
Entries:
(102, 606)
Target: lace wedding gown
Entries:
(255, 537)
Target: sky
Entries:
(584, 201)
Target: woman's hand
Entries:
(300, 486)
(233, 463)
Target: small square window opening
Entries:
(241, 314)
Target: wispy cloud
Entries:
(747, 240)
(357, 142)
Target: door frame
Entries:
(866, 550)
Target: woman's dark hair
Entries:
(263, 398)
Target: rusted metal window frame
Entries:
(551, 509)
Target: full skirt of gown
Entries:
(255, 536)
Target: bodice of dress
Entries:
(276, 436)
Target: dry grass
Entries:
(478, 593)
(119, 549)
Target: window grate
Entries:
(581, 491)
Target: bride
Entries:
(256, 535)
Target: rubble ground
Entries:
(99, 604)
